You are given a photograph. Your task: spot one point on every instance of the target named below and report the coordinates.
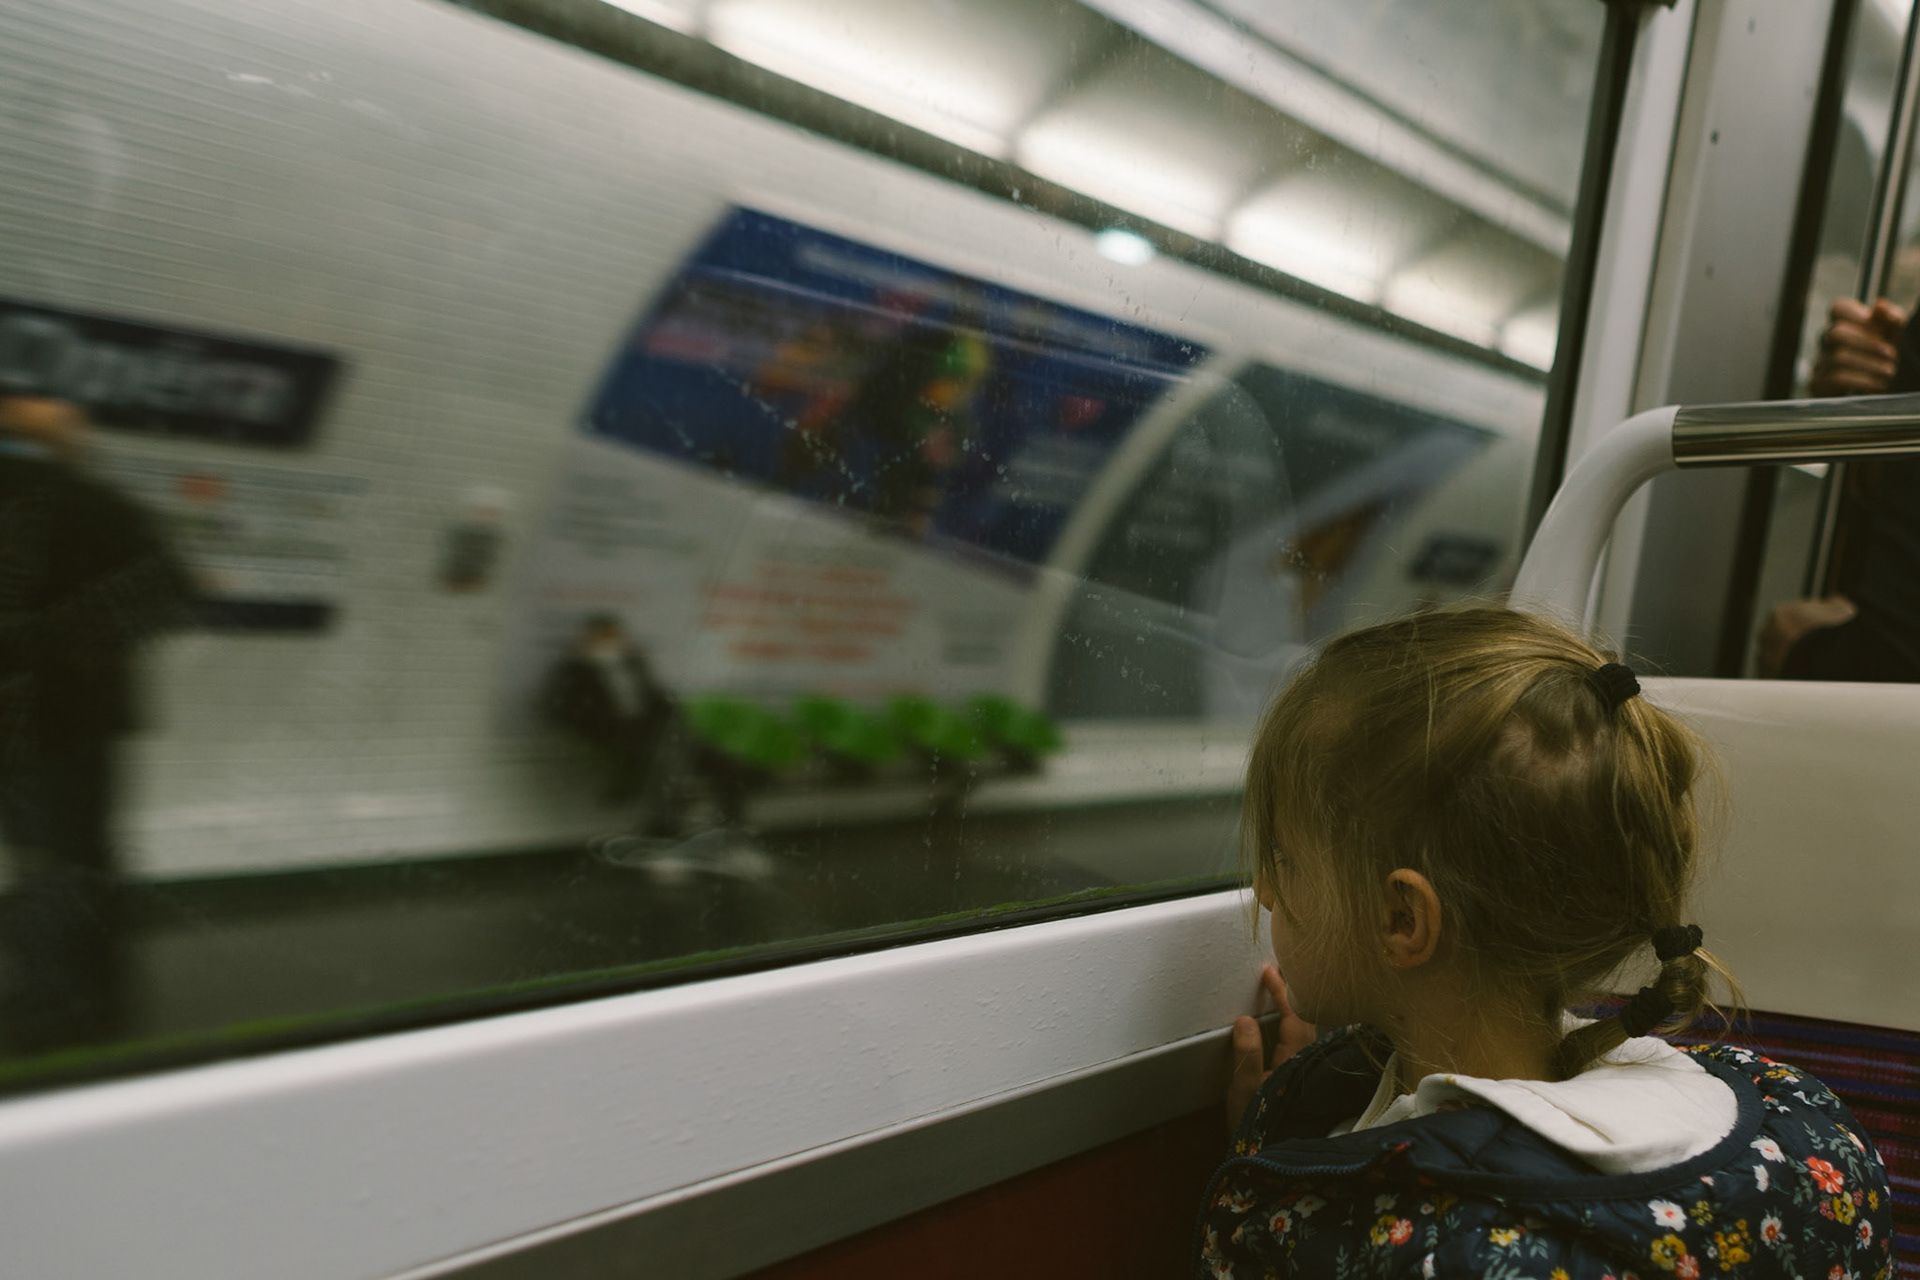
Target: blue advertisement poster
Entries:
(932, 405)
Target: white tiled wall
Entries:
(470, 216)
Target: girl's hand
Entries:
(1249, 1072)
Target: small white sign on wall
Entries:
(267, 545)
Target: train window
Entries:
(509, 500)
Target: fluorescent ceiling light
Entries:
(1162, 175)
(1089, 159)
(1436, 305)
(1127, 247)
(1160, 138)
(1344, 225)
(1532, 336)
(1474, 285)
(886, 70)
(1302, 248)
(680, 15)
(1327, 105)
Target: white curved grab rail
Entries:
(1557, 574)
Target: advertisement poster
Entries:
(267, 546)
(936, 406)
(818, 466)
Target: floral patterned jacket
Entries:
(1794, 1191)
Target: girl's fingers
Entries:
(1276, 987)
(1248, 1066)
(1295, 1035)
(1248, 1070)
(1295, 1032)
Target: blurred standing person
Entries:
(85, 580)
(1869, 628)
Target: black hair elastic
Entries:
(1647, 1010)
(1677, 941)
(1614, 682)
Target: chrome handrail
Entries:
(1712, 435)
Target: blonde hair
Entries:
(1473, 745)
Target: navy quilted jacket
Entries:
(1795, 1190)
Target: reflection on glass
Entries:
(1283, 511)
(1861, 620)
(572, 530)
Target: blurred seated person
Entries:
(1869, 629)
(85, 580)
(604, 692)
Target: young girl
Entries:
(1461, 821)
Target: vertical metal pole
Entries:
(1876, 264)
(1889, 194)
(1583, 255)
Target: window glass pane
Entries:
(533, 497)
(1286, 509)
(1833, 543)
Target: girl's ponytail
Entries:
(1673, 1001)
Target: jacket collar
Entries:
(1475, 1148)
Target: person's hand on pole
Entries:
(1859, 349)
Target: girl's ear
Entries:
(1413, 919)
